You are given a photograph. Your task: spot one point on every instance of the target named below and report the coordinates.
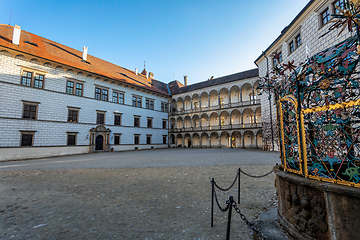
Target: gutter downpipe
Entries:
(271, 120)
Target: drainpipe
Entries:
(271, 120)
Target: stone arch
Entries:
(99, 138)
(187, 121)
(225, 139)
(6, 53)
(80, 74)
(249, 139)
(235, 95)
(224, 97)
(248, 116)
(172, 123)
(205, 141)
(246, 92)
(224, 119)
(235, 118)
(195, 101)
(173, 107)
(259, 139)
(187, 103)
(196, 121)
(214, 120)
(172, 139)
(214, 98)
(48, 64)
(21, 57)
(70, 71)
(180, 104)
(60, 68)
(214, 139)
(205, 121)
(204, 98)
(188, 142)
(179, 140)
(236, 140)
(35, 61)
(179, 122)
(196, 140)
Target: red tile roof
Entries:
(62, 54)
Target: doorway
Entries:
(99, 145)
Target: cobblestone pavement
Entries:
(149, 158)
(152, 194)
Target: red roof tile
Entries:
(62, 54)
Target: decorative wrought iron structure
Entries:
(319, 114)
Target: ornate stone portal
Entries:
(100, 139)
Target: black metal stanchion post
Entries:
(239, 186)
(229, 217)
(212, 202)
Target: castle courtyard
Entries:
(150, 194)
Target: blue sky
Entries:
(197, 38)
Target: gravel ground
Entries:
(136, 195)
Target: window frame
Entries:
(148, 139)
(71, 134)
(100, 95)
(342, 2)
(98, 114)
(137, 117)
(149, 122)
(165, 139)
(149, 103)
(324, 19)
(75, 88)
(136, 101)
(33, 78)
(27, 133)
(164, 107)
(117, 115)
(30, 116)
(136, 139)
(117, 135)
(164, 121)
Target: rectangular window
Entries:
(101, 94)
(164, 139)
(32, 79)
(27, 139)
(291, 46)
(73, 115)
(97, 93)
(298, 40)
(100, 118)
(74, 88)
(136, 101)
(117, 139)
(150, 104)
(164, 124)
(30, 110)
(71, 139)
(136, 121)
(279, 60)
(325, 17)
(148, 139)
(149, 122)
(164, 107)
(39, 81)
(338, 5)
(118, 97)
(117, 119)
(121, 98)
(115, 97)
(136, 139)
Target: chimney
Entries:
(185, 80)
(84, 56)
(16, 35)
(151, 75)
(136, 71)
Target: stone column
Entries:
(255, 117)
(240, 94)
(176, 141)
(243, 140)
(256, 144)
(209, 101)
(200, 102)
(219, 141)
(184, 142)
(229, 98)
(200, 143)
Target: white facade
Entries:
(51, 127)
(309, 25)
